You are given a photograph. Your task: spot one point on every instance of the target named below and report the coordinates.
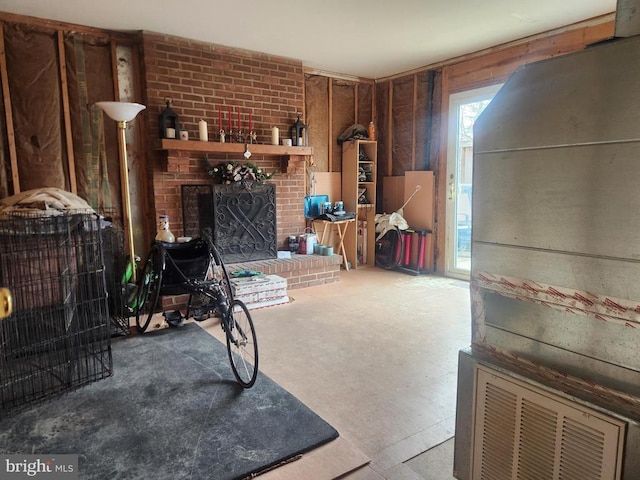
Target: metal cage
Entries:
(58, 337)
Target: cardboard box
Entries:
(260, 291)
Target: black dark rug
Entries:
(173, 411)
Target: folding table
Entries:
(323, 230)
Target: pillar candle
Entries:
(204, 135)
(275, 133)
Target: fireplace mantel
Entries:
(295, 156)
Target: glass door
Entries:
(464, 108)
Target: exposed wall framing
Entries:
(333, 105)
(52, 134)
(408, 113)
(9, 144)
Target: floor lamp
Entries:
(123, 112)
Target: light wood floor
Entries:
(375, 355)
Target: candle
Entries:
(250, 129)
(204, 135)
(239, 125)
(171, 133)
(229, 115)
(275, 133)
(219, 119)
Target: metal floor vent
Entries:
(522, 432)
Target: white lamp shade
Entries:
(121, 111)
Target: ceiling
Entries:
(371, 39)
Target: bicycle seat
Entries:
(190, 259)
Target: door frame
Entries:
(455, 101)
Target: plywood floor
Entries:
(376, 356)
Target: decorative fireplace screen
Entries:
(242, 217)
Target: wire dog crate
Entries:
(58, 337)
(115, 261)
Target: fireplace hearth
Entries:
(242, 216)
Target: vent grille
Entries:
(581, 452)
(536, 449)
(525, 433)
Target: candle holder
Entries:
(252, 137)
(240, 137)
(229, 136)
(222, 136)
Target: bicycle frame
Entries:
(197, 269)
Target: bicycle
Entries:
(196, 268)
(389, 249)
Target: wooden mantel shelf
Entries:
(233, 148)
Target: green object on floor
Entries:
(246, 273)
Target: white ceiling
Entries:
(372, 39)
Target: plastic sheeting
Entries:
(89, 76)
(35, 87)
(317, 109)
(34, 84)
(402, 121)
(343, 116)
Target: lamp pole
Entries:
(123, 112)
(124, 179)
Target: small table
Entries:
(323, 229)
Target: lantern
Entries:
(169, 124)
(298, 133)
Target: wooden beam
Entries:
(440, 172)
(54, 25)
(232, 148)
(64, 90)
(413, 122)
(330, 130)
(390, 130)
(355, 103)
(114, 71)
(374, 91)
(11, 137)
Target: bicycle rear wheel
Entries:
(242, 345)
(389, 249)
(148, 289)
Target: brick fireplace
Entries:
(183, 164)
(206, 82)
(211, 82)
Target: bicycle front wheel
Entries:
(148, 289)
(220, 274)
(242, 345)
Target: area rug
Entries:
(173, 411)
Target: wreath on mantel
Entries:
(230, 172)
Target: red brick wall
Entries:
(203, 79)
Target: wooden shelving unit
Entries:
(359, 242)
